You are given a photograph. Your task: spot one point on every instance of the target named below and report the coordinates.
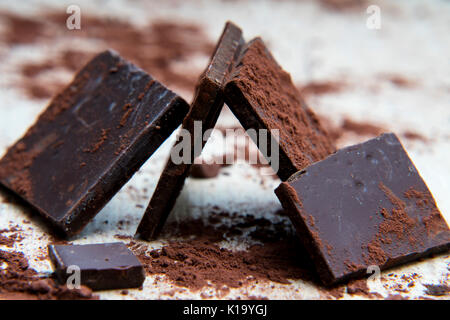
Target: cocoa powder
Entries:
(154, 47)
(19, 281)
(199, 262)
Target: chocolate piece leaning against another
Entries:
(262, 96)
(205, 110)
(90, 140)
(366, 205)
(102, 266)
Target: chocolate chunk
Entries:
(206, 107)
(102, 266)
(262, 96)
(364, 205)
(90, 140)
(205, 170)
(437, 289)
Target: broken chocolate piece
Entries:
(364, 205)
(206, 107)
(90, 140)
(102, 266)
(205, 170)
(262, 96)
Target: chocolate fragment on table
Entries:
(205, 170)
(90, 140)
(205, 110)
(262, 96)
(364, 205)
(103, 266)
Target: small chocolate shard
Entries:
(205, 170)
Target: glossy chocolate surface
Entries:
(90, 140)
(102, 266)
(364, 205)
(206, 107)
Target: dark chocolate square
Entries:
(90, 140)
(102, 266)
(364, 205)
(262, 96)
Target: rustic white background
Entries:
(313, 44)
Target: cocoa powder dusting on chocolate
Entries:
(432, 219)
(128, 109)
(291, 193)
(265, 84)
(99, 143)
(396, 223)
(18, 160)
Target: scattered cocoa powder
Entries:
(412, 135)
(10, 240)
(18, 281)
(362, 128)
(400, 81)
(103, 137)
(316, 88)
(337, 292)
(155, 47)
(344, 5)
(395, 297)
(128, 108)
(360, 287)
(200, 261)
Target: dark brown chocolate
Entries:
(102, 266)
(205, 170)
(206, 107)
(364, 205)
(90, 140)
(262, 96)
